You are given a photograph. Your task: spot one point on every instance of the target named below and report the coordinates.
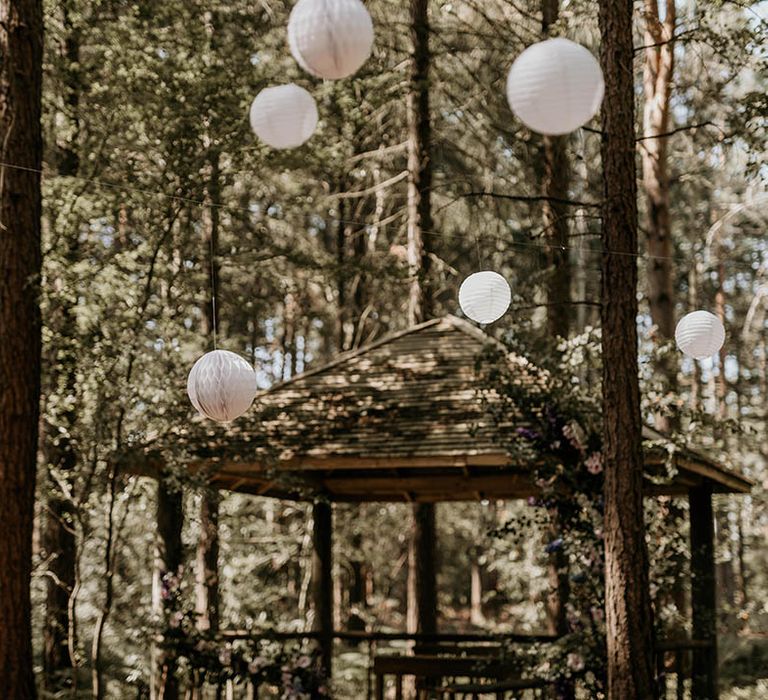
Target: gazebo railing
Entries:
(458, 659)
(674, 657)
(444, 658)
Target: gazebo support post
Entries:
(703, 600)
(322, 579)
(423, 566)
(169, 556)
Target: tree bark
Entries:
(21, 46)
(419, 127)
(555, 180)
(628, 608)
(658, 72)
(422, 585)
(207, 556)
(207, 564)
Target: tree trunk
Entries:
(420, 302)
(475, 589)
(554, 186)
(58, 534)
(556, 178)
(422, 585)
(21, 46)
(358, 599)
(628, 608)
(207, 564)
(658, 73)
(207, 558)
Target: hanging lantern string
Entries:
(214, 319)
(431, 232)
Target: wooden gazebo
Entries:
(401, 420)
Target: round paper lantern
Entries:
(330, 38)
(284, 116)
(484, 296)
(700, 334)
(555, 86)
(221, 385)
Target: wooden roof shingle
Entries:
(399, 419)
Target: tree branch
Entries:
(533, 198)
(678, 130)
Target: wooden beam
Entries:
(339, 462)
(169, 556)
(447, 487)
(424, 563)
(703, 600)
(322, 579)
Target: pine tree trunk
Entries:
(21, 46)
(422, 585)
(207, 558)
(555, 182)
(419, 166)
(628, 608)
(658, 70)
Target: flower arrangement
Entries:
(557, 433)
(292, 668)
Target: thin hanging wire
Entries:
(214, 319)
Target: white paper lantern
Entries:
(330, 38)
(700, 334)
(555, 86)
(222, 385)
(284, 116)
(484, 296)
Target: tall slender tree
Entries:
(555, 181)
(658, 71)
(21, 46)
(628, 607)
(422, 566)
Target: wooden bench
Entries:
(498, 689)
(435, 668)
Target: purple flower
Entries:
(554, 545)
(528, 433)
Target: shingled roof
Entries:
(399, 419)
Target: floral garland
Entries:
(295, 670)
(557, 434)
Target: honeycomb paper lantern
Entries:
(484, 296)
(700, 334)
(555, 86)
(221, 385)
(284, 116)
(330, 38)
